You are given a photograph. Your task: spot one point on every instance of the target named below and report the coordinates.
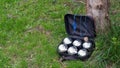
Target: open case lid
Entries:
(78, 26)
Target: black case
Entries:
(78, 27)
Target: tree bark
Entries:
(99, 10)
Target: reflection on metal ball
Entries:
(77, 43)
(67, 41)
(87, 45)
(62, 48)
(82, 52)
(72, 50)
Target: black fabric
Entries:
(84, 26)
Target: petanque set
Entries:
(79, 44)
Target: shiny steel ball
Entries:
(77, 43)
(87, 45)
(62, 48)
(82, 52)
(72, 50)
(67, 41)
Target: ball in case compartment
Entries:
(82, 53)
(62, 48)
(87, 45)
(77, 43)
(67, 40)
(72, 50)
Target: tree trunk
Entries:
(98, 9)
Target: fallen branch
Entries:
(79, 1)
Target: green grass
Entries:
(30, 31)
